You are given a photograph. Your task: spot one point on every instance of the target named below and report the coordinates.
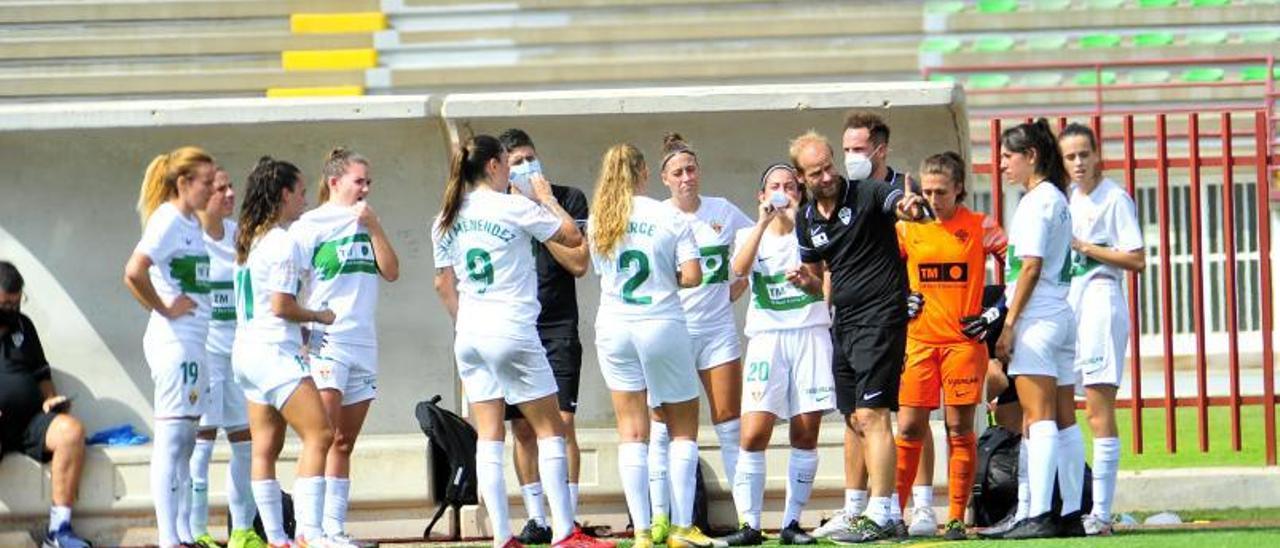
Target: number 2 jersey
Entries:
(1042, 228)
(179, 266)
(490, 248)
(638, 281)
(946, 262)
(714, 226)
(777, 304)
(341, 273)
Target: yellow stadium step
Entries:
(326, 91)
(329, 59)
(337, 23)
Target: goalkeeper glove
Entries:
(977, 327)
(915, 302)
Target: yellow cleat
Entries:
(692, 537)
(246, 538)
(660, 528)
(643, 539)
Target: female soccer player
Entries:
(945, 351)
(644, 252)
(168, 274)
(708, 309)
(1038, 340)
(344, 251)
(788, 359)
(489, 234)
(267, 355)
(1107, 241)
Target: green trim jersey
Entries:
(491, 249)
(179, 266)
(274, 266)
(341, 272)
(222, 300)
(1042, 228)
(1105, 217)
(714, 225)
(638, 280)
(777, 304)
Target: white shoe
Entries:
(1095, 526)
(838, 522)
(924, 523)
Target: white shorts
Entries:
(788, 373)
(512, 367)
(652, 355)
(716, 345)
(348, 368)
(1045, 347)
(178, 370)
(226, 407)
(1102, 334)
(266, 373)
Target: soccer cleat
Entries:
(245, 538)
(206, 541)
(1095, 526)
(792, 534)
(744, 536)
(1071, 525)
(692, 537)
(954, 530)
(642, 539)
(838, 521)
(578, 539)
(660, 528)
(924, 523)
(512, 543)
(534, 534)
(1041, 526)
(900, 529)
(863, 531)
(1001, 527)
(64, 537)
(343, 540)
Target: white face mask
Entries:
(857, 166)
(521, 176)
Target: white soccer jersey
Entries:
(639, 279)
(1042, 228)
(341, 273)
(776, 304)
(490, 247)
(179, 266)
(1104, 217)
(713, 226)
(274, 266)
(222, 270)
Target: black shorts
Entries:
(28, 439)
(1010, 394)
(867, 366)
(565, 355)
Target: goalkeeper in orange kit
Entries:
(946, 357)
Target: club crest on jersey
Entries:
(846, 215)
(717, 227)
(193, 396)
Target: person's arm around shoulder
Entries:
(573, 259)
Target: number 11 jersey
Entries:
(639, 279)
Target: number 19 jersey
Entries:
(639, 279)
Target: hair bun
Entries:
(336, 152)
(265, 160)
(672, 142)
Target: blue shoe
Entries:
(64, 537)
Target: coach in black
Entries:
(848, 229)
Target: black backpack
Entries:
(995, 482)
(453, 457)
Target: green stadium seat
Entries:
(1041, 79)
(997, 6)
(1258, 74)
(1051, 5)
(988, 81)
(939, 44)
(992, 44)
(1153, 39)
(1209, 3)
(1090, 78)
(1106, 4)
(1047, 42)
(1149, 76)
(1260, 36)
(1157, 3)
(1201, 75)
(1207, 38)
(1099, 41)
(944, 8)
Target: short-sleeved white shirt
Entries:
(714, 225)
(1105, 217)
(341, 272)
(222, 299)
(274, 265)
(638, 281)
(491, 250)
(1042, 228)
(179, 266)
(777, 304)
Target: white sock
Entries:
(633, 467)
(1024, 482)
(855, 501)
(239, 487)
(1042, 457)
(1106, 461)
(170, 457)
(337, 493)
(58, 517)
(553, 470)
(729, 433)
(878, 509)
(922, 496)
(532, 494)
(267, 494)
(659, 458)
(492, 486)
(308, 507)
(200, 486)
(748, 487)
(684, 469)
(895, 506)
(801, 471)
(573, 497)
(1071, 468)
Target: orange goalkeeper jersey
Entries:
(946, 262)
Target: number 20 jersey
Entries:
(490, 248)
(638, 279)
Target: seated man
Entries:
(33, 417)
